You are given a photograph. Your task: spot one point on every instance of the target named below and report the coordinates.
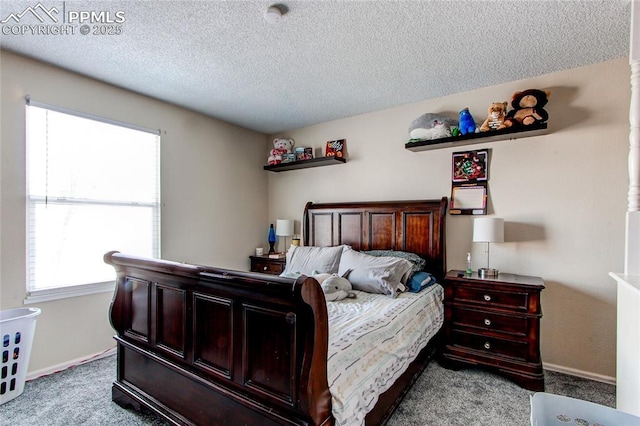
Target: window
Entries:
(93, 186)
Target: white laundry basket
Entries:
(17, 327)
(549, 409)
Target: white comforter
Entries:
(372, 340)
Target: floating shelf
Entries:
(474, 138)
(305, 164)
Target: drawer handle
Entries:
(487, 321)
(487, 297)
(264, 269)
(487, 345)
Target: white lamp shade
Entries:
(284, 227)
(488, 230)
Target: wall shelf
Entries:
(475, 138)
(305, 164)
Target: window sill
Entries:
(49, 294)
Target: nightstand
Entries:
(494, 323)
(267, 265)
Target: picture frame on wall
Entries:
(470, 166)
(468, 199)
(469, 178)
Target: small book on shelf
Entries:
(277, 255)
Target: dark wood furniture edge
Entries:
(274, 266)
(313, 400)
(305, 164)
(435, 253)
(527, 374)
(306, 307)
(318, 396)
(525, 377)
(391, 399)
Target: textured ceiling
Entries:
(324, 60)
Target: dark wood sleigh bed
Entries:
(204, 345)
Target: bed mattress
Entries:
(372, 340)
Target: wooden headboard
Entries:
(412, 226)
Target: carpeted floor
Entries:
(82, 396)
(474, 397)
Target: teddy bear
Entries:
(467, 124)
(431, 126)
(495, 120)
(528, 108)
(280, 146)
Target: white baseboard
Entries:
(580, 373)
(63, 366)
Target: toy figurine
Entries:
(467, 123)
(495, 117)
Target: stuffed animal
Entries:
(431, 126)
(336, 287)
(495, 119)
(528, 108)
(467, 124)
(280, 146)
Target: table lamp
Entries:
(284, 228)
(488, 230)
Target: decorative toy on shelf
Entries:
(431, 126)
(495, 119)
(467, 124)
(303, 153)
(528, 108)
(281, 147)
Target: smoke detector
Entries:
(274, 13)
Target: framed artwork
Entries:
(469, 176)
(335, 148)
(470, 166)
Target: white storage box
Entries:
(548, 409)
(17, 327)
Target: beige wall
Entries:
(214, 195)
(562, 195)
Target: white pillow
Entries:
(309, 260)
(373, 274)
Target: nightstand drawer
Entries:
(267, 267)
(491, 298)
(483, 320)
(490, 345)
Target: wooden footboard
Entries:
(200, 345)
